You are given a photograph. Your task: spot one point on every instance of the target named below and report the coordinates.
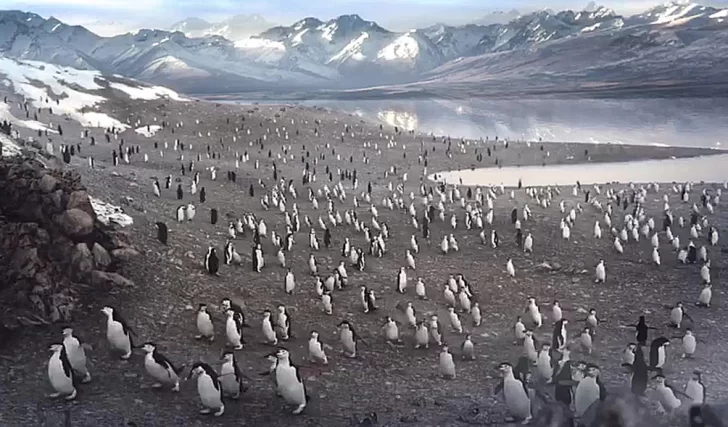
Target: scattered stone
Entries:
(125, 254)
(101, 256)
(82, 262)
(76, 223)
(48, 183)
(102, 278)
(80, 200)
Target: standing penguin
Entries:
(162, 232)
(60, 373)
(640, 373)
(563, 379)
(160, 368)
(231, 378)
(213, 216)
(118, 332)
(181, 213)
(516, 394)
(203, 195)
(695, 389)
(348, 338)
(209, 388)
(558, 338)
(212, 262)
(234, 329)
(642, 331)
(368, 300)
(283, 322)
(289, 282)
(447, 364)
(289, 381)
(180, 192)
(588, 391)
(657, 353)
(204, 324)
(76, 355)
(157, 189)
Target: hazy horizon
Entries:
(112, 17)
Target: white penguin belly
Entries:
(117, 338)
(227, 379)
(695, 392)
(76, 356)
(158, 372)
(291, 390)
(516, 399)
(587, 392)
(231, 329)
(668, 399)
(57, 376)
(209, 395)
(204, 325)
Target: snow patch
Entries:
(298, 38)
(8, 147)
(259, 43)
(147, 93)
(720, 14)
(108, 213)
(70, 102)
(404, 47)
(5, 114)
(148, 131)
(351, 50)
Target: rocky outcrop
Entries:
(52, 247)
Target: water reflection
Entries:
(682, 121)
(693, 169)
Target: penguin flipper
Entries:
(498, 388)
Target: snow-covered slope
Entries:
(236, 28)
(350, 52)
(76, 94)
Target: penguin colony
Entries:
(343, 235)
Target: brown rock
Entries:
(125, 254)
(101, 257)
(48, 183)
(75, 223)
(101, 278)
(80, 200)
(82, 262)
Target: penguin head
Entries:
(445, 349)
(345, 324)
(56, 347)
(659, 378)
(697, 375)
(67, 332)
(202, 308)
(592, 370)
(556, 303)
(228, 356)
(230, 313)
(632, 347)
(688, 332)
(108, 311)
(266, 313)
(149, 347)
(592, 311)
(314, 334)
(282, 353)
(505, 367)
(226, 304)
(281, 308)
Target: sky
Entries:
(126, 15)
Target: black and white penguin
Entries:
(231, 377)
(160, 368)
(692, 253)
(657, 353)
(204, 323)
(695, 389)
(234, 330)
(558, 338)
(212, 262)
(563, 379)
(157, 189)
(60, 373)
(208, 388)
(641, 331)
(181, 213)
(118, 332)
(640, 373)
(227, 304)
(203, 195)
(162, 232)
(589, 390)
(289, 381)
(168, 182)
(258, 260)
(76, 355)
(213, 216)
(515, 392)
(327, 238)
(368, 299)
(180, 193)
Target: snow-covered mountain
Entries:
(497, 17)
(350, 52)
(238, 27)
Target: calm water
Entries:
(684, 122)
(695, 169)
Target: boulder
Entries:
(82, 262)
(125, 254)
(80, 200)
(76, 223)
(101, 278)
(101, 257)
(48, 183)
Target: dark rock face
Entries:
(51, 244)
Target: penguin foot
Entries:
(238, 347)
(205, 411)
(157, 385)
(126, 356)
(299, 409)
(72, 395)
(54, 395)
(235, 396)
(220, 411)
(527, 420)
(211, 338)
(198, 337)
(176, 387)
(86, 379)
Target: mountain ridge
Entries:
(348, 52)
